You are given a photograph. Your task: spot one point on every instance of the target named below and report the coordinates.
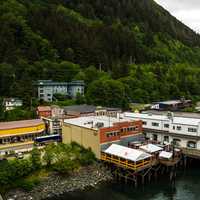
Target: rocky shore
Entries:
(56, 185)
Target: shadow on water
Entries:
(187, 187)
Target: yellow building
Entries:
(17, 134)
(99, 132)
(87, 137)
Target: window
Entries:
(166, 125)
(155, 124)
(166, 138)
(193, 130)
(144, 123)
(41, 95)
(41, 91)
(48, 95)
(155, 137)
(178, 128)
(174, 127)
(191, 144)
(176, 142)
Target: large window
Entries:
(193, 130)
(155, 137)
(155, 124)
(166, 125)
(192, 144)
(166, 138)
(178, 128)
(144, 122)
(177, 142)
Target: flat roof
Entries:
(92, 122)
(127, 153)
(176, 119)
(151, 148)
(20, 124)
(169, 102)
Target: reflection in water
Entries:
(187, 187)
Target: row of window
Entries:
(113, 134)
(122, 130)
(190, 144)
(178, 128)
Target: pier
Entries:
(140, 165)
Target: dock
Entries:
(138, 165)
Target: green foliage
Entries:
(18, 114)
(66, 158)
(26, 173)
(35, 158)
(107, 44)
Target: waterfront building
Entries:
(183, 132)
(99, 132)
(19, 134)
(47, 89)
(12, 103)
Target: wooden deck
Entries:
(126, 164)
(170, 163)
(194, 153)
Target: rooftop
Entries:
(43, 108)
(176, 120)
(84, 108)
(20, 124)
(151, 148)
(127, 153)
(80, 108)
(94, 122)
(170, 102)
(54, 83)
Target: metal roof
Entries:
(127, 153)
(80, 108)
(165, 154)
(151, 148)
(84, 108)
(20, 124)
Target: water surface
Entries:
(187, 187)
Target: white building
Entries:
(12, 103)
(183, 131)
(47, 88)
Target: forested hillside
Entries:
(125, 50)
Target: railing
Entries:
(125, 163)
(191, 152)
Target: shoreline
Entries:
(56, 185)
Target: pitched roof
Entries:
(151, 148)
(127, 153)
(80, 108)
(20, 124)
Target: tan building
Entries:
(99, 132)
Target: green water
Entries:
(187, 187)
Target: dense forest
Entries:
(125, 50)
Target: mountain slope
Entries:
(43, 40)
